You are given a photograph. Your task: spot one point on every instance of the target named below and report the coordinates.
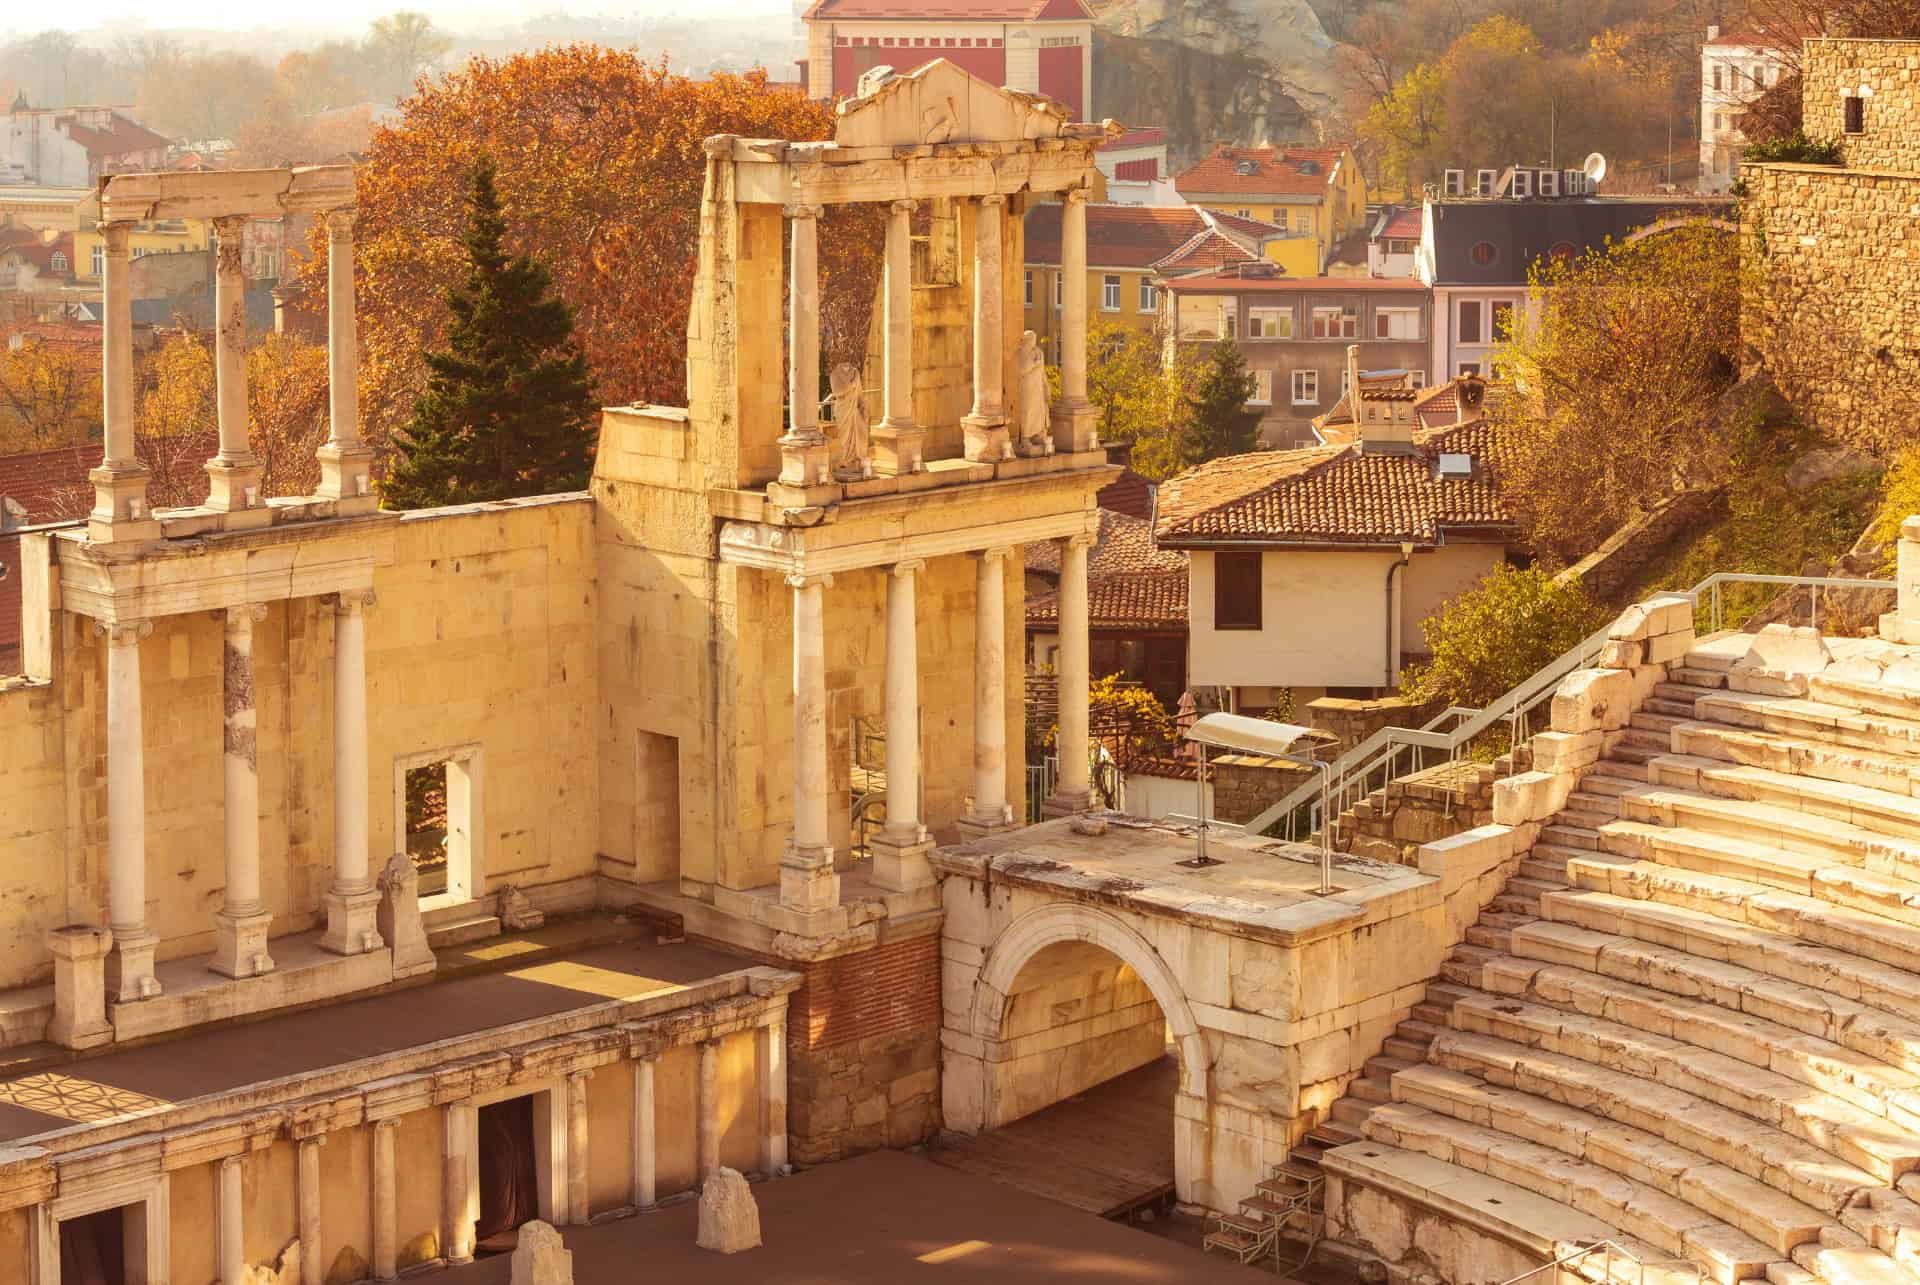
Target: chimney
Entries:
(1391, 434)
(1713, 34)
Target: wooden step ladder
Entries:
(1289, 1201)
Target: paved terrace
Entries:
(498, 982)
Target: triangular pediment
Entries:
(942, 103)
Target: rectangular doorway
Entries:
(509, 1174)
(438, 821)
(93, 1247)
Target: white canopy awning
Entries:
(1247, 735)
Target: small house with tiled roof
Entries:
(1311, 571)
(1134, 165)
(74, 146)
(1294, 333)
(1038, 46)
(1737, 66)
(1128, 247)
(1393, 242)
(1318, 191)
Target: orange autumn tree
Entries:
(600, 168)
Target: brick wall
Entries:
(863, 1037)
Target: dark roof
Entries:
(1146, 236)
(120, 137)
(1336, 496)
(1124, 545)
(1261, 171)
(1139, 601)
(1129, 493)
(951, 10)
(1522, 231)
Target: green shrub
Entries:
(1795, 149)
(1492, 637)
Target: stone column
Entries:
(230, 1236)
(120, 483)
(345, 462)
(1074, 418)
(900, 849)
(897, 442)
(770, 1074)
(707, 1133)
(127, 815)
(462, 1162)
(240, 929)
(807, 880)
(386, 1213)
(313, 1263)
(645, 1159)
(985, 427)
(353, 902)
(989, 810)
(1071, 791)
(578, 1142)
(804, 453)
(235, 471)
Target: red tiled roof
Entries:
(1143, 600)
(1209, 251)
(1147, 136)
(951, 10)
(1140, 236)
(1123, 546)
(1403, 226)
(40, 253)
(1438, 407)
(1129, 493)
(1275, 171)
(1335, 495)
(1226, 282)
(119, 138)
(63, 334)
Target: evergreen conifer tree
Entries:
(1219, 421)
(509, 408)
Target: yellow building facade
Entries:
(1314, 192)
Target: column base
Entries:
(984, 439)
(235, 487)
(351, 923)
(1066, 803)
(897, 449)
(807, 880)
(1075, 428)
(131, 966)
(240, 945)
(120, 514)
(346, 478)
(978, 828)
(805, 460)
(901, 867)
(80, 987)
(782, 496)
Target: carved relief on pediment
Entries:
(941, 103)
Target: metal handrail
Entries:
(1610, 1248)
(1377, 756)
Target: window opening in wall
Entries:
(1336, 323)
(1469, 327)
(1262, 388)
(1269, 323)
(436, 813)
(1856, 114)
(1306, 388)
(427, 826)
(1110, 292)
(1236, 591)
(1502, 321)
(1396, 323)
(1149, 300)
(1029, 286)
(509, 1175)
(936, 242)
(867, 779)
(93, 1247)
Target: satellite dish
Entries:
(1594, 167)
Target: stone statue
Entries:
(849, 420)
(398, 917)
(1030, 379)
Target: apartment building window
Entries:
(59, 261)
(1483, 253)
(1057, 278)
(1719, 122)
(1262, 389)
(1029, 286)
(1336, 323)
(1306, 388)
(1396, 323)
(1110, 293)
(1856, 112)
(1716, 78)
(1246, 214)
(99, 260)
(1302, 221)
(1502, 322)
(1468, 329)
(1236, 591)
(1269, 323)
(1149, 298)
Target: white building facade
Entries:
(1735, 69)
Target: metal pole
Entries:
(1201, 810)
(1326, 833)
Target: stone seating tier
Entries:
(1693, 1016)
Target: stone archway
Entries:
(1045, 926)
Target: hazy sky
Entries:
(353, 15)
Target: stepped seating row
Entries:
(1693, 1014)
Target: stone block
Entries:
(1590, 700)
(1465, 855)
(1669, 613)
(1566, 751)
(80, 987)
(1632, 625)
(1786, 649)
(1530, 796)
(729, 1215)
(1669, 647)
(540, 1257)
(1621, 655)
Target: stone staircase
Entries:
(1693, 1014)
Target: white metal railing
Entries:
(1393, 751)
(1612, 1253)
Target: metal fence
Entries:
(1617, 1265)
